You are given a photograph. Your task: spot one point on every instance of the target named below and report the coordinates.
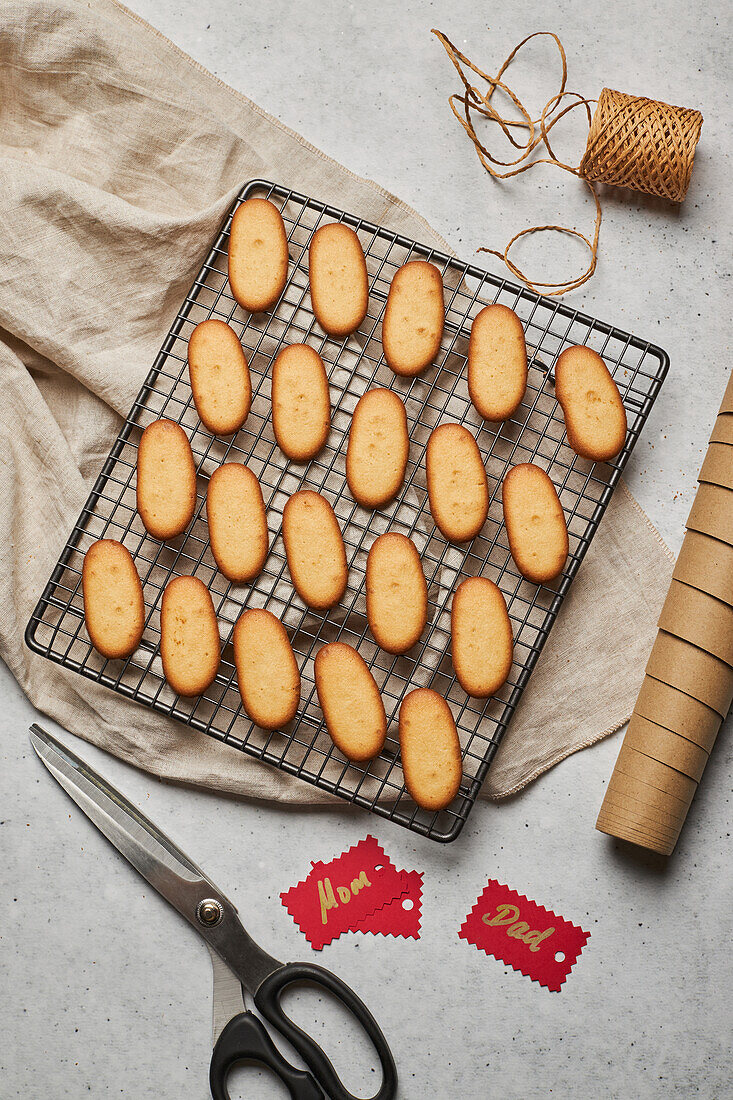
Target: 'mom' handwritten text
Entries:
(327, 897)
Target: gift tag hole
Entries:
(408, 903)
(559, 956)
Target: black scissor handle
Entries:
(245, 1039)
(267, 998)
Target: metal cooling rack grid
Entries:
(535, 433)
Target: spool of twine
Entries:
(633, 142)
(642, 144)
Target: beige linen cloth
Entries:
(119, 156)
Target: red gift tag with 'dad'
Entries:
(528, 937)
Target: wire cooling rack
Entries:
(534, 434)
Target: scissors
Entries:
(239, 963)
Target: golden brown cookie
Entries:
(413, 318)
(430, 749)
(350, 701)
(482, 644)
(379, 446)
(235, 513)
(315, 550)
(458, 489)
(497, 363)
(396, 593)
(267, 672)
(338, 279)
(219, 373)
(258, 255)
(166, 480)
(301, 406)
(535, 523)
(595, 417)
(189, 636)
(114, 611)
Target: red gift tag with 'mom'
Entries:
(532, 939)
(337, 895)
(400, 917)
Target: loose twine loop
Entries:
(632, 142)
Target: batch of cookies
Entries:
(376, 461)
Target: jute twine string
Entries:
(643, 144)
(632, 142)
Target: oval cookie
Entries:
(315, 550)
(189, 636)
(430, 749)
(413, 318)
(217, 367)
(166, 480)
(396, 593)
(457, 486)
(481, 637)
(235, 513)
(338, 279)
(301, 406)
(497, 362)
(595, 417)
(258, 255)
(376, 458)
(350, 701)
(267, 672)
(535, 523)
(114, 611)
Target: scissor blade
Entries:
(228, 996)
(140, 841)
(156, 858)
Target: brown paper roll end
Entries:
(633, 828)
(635, 811)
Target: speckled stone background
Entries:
(106, 992)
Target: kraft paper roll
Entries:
(718, 465)
(649, 818)
(706, 563)
(636, 828)
(680, 713)
(692, 670)
(641, 816)
(652, 819)
(688, 686)
(664, 745)
(664, 818)
(622, 828)
(637, 765)
(699, 618)
(651, 807)
(723, 430)
(712, 512)
(651, 799)
(641, 826)
(634, 787)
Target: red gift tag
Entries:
(337, 895)
(532, 939)
(400, 917)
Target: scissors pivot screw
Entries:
(209, 912)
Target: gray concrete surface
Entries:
(106, 992)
